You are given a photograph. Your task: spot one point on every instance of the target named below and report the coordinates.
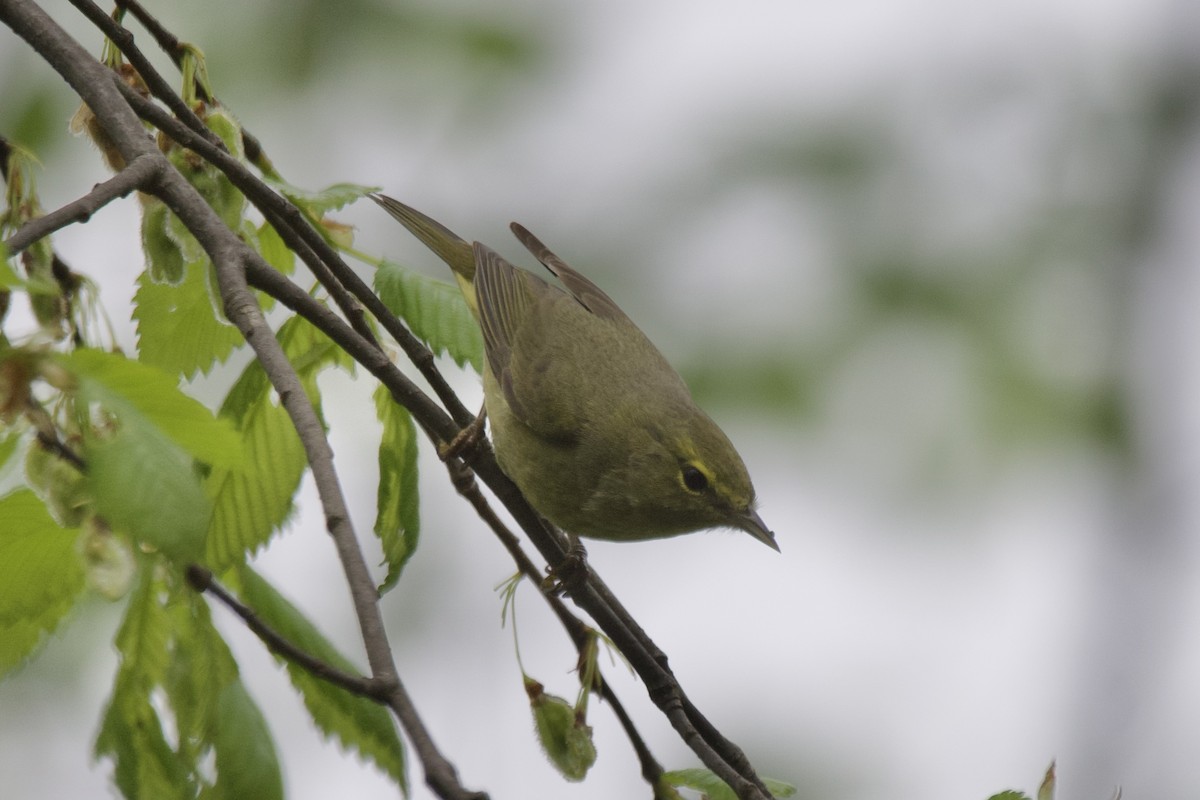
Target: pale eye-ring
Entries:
(694, 479)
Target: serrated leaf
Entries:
(41, 576)
(250, 503)
(704, 781)
(123, 385)
(331, 198)
(164, 262)
(434, 310)
(247, 765)
(180, 327)
(143, 638)
(307, 348)
(201, 667)
(131, 732)
(358, 723)
(397, 517)
(144, 765)
(141, 477)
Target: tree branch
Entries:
(169, 43)
(202, 581)
(123, 38)
(233, 260)
(464, 482)
(136, 174)
(93, 83)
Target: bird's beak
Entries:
(752, 524)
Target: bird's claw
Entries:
(568, 574)
(466, 442)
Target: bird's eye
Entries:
(694, 479)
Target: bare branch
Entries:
(390, 692)
(169, 43)
(464, 481)
(123, 39)
(93, 82)
(232, 260)
(139, 172)
(202, 581)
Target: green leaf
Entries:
(358, 723)
(226, 126)
(565, 738)
(9, 279)
(331, 198)
(274, 251)
(19, 641)
(251, 502)
(705, 782)
(190, 250)
(247, 765)
(41, 576)
(142, 641)
(164, 261)
(141, 479)
(1009, 795)
(435, 310)
(8, 446)
(397, 518)
(181, 328)
(145, 485)
(201, 667)
(126, 387)
(307, 348)
(145, 767)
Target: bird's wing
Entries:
(589, 295)
(523, 348)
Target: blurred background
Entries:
(934, 266)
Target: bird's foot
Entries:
(466, 442)
(570, 573)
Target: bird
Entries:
(588, 419)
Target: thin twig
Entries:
(51, 442)
(263, 276)
(464, 482)
(166, 41)
(325, 263)
(390, 692)
(123, 38)
(93, 83)
(188, 130)
(202, 581)
(136, 174)
(169, 43)
(229, 257)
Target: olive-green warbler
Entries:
(588, 418)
